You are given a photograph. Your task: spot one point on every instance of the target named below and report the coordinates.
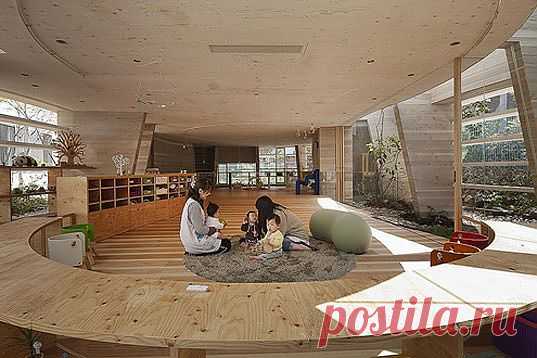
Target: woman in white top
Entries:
(197, 237)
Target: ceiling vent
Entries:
(268, 49)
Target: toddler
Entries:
(271, 245)
(250, 226)
(213, 217)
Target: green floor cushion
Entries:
(350, 233)
(321, 223)
(347, 230)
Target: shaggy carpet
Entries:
(236, 266)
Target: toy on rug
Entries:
(250, 226)
(271, 245)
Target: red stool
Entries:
(470, 238)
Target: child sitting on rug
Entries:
(250, 226)
(271, 245)
(213, 217)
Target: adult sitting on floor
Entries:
(199, 239)
(292, 228)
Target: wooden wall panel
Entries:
(171, 155)
(105, 134)
(427, 132)
(328, 162)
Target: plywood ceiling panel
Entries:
(279, 65)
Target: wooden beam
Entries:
(298, 163)
(340, 177)
(457, 142)
(28, 122)
(9, 143)
(406, 156)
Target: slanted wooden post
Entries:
(457, 142)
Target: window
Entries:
(243, 173)
(17, 133)
(277, 164)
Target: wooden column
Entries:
(340, 152)
(186, 353)
(457, 142)
(433, 346)
(298, 163)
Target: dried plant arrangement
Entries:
(69, 145)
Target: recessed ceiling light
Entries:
(61, 41)
(2, 52)
(455, 43)
(35, 85)
(162, 106)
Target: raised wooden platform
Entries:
(236, 319)
(155, 250)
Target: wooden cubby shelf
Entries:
(118, 204)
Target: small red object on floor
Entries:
(470, 238)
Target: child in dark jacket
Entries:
(250, 226)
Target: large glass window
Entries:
(277, 165)
(21, 133)
(238, 173)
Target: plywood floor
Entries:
(155, 250)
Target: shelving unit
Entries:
(117, 204)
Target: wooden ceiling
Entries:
(242, 71)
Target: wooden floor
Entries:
(155, 250)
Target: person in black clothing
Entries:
(250, 226)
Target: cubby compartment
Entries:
(149, 180)
(107, 205)
(107, 194)
(122, 202)
(161, 180)
(122, 193)
(122, 182)
(135, 181)
(94, 196)
(134, 201)
(135, 191)
(93, 184)
(94, 207)
(107, 183)
(148, 199)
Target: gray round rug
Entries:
(296, 266)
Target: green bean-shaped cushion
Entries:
(321, 223)
(350, 233)
(347, 230)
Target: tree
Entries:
(386, 152)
